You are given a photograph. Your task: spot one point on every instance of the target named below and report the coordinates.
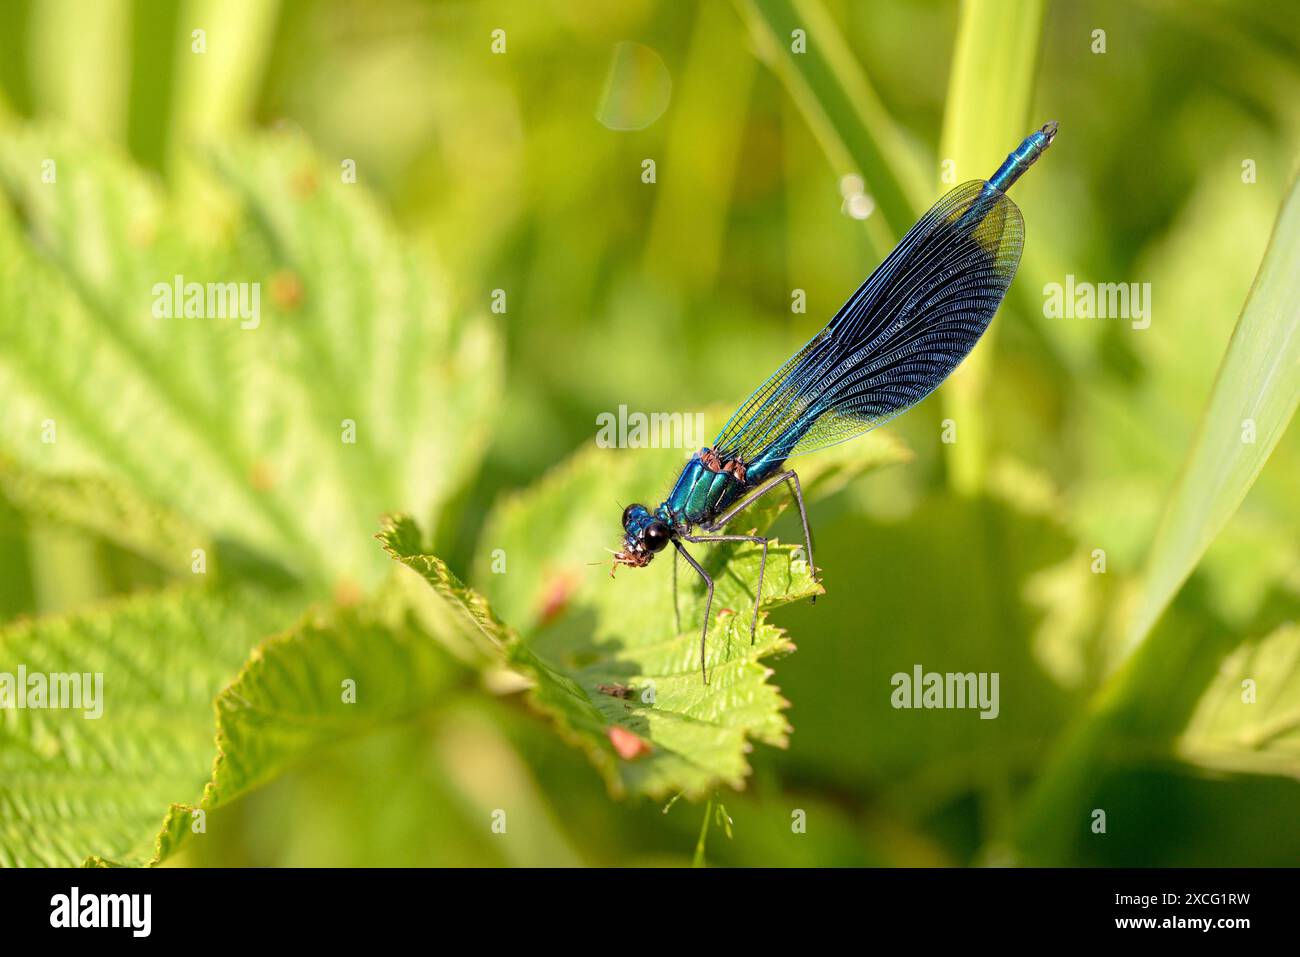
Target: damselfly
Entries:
(896, 339)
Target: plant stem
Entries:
(698, 860)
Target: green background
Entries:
(499, 173)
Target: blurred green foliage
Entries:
(485, 172)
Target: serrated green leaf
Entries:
(72, 786)
(102, 507)
(244, 433)
(1248, 719)
(606, 659)
(338, 674)
(242, 429)
(330, 677)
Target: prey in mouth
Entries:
(644, 535)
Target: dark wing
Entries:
(899, 336)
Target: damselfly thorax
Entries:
(708, 486)
(892, 344)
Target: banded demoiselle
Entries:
(892, 344)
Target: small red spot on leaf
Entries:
(555, 598)
(347, 592)
(286, 290)
(628, 744)
(305, 182)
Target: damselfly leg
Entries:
(762, 567)
(785, 478)
(708, 602)
(788, 477)
(677, 612)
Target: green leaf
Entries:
(294, 694)
(604, 657)
(73, 786)
(109, 509)
(240, 423)
(338, 674)
(689, 737)
(1255, 727)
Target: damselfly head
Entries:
(643, 536)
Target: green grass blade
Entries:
(1166, 673)
(989, 96)
(80, 64)
(1254, 397)
(845, 113)
(704, 143)
(991, 86)
(218, 79)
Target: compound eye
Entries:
(656, 536)
(627, 512)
